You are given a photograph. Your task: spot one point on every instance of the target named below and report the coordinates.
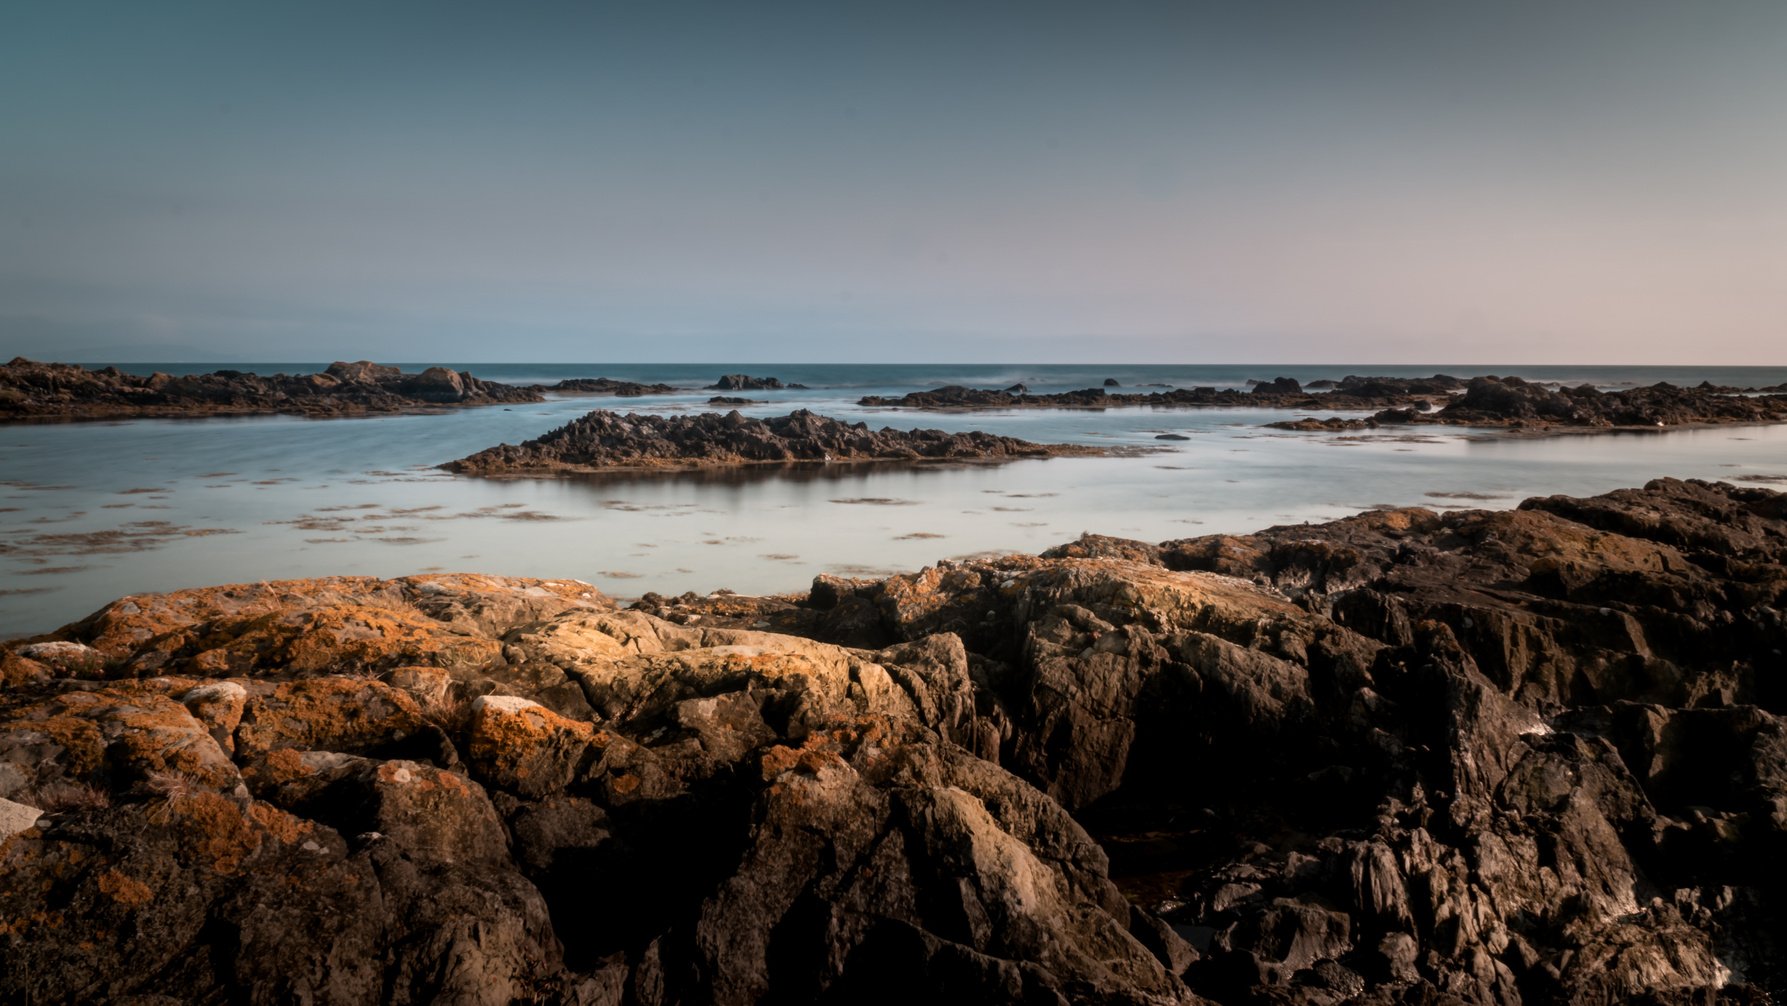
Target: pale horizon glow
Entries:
(1591, 183)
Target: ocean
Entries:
(95, 510)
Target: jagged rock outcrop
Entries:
(30, 390)
(1278, 386)
(604, 440)
(531, 797)
(1512, 401)
(1528, 756)
(745, 382)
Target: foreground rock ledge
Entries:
(608, 441)
(1523, 756)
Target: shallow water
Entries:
(92, 511)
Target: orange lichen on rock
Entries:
(525, 747)
(124, 889)
(328, 714)
(342, 624)
(221, 837)
(283, 827)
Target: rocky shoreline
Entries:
(608, 441)
(1525, 756)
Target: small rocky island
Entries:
(1526, 756)
(608, 441)
(30, 390)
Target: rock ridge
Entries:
(606, 441)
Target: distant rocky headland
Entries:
(1527, 756)
(30, 390)
(1279, 393)
(607, 441)
(1438, 400)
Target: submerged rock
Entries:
(1534, 755)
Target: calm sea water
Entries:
(91, 511)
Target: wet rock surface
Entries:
(603, 440)
(30, 390)
(1475, 757)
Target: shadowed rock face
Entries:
(30, 390)
(604, 440)
(1525, 756)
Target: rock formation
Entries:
(30, 390)
(745, 382)
(605, 386)
(1512, 403)
(1529, 756)
(1282, 393)
(603, 441)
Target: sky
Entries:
(1572, 181)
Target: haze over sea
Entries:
(91, 511)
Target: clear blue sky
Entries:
(1168, 181)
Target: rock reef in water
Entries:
(745, 382)
(1512, 403)
(605, 386)
(30, 390)
(1280, 392)
(605, 441)
(1530, 756)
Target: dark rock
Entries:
(606, 386)
(64, 391)
(745, 382)
(1111, 382)
(606, 440)
(1333, 423)
(1278, 386)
